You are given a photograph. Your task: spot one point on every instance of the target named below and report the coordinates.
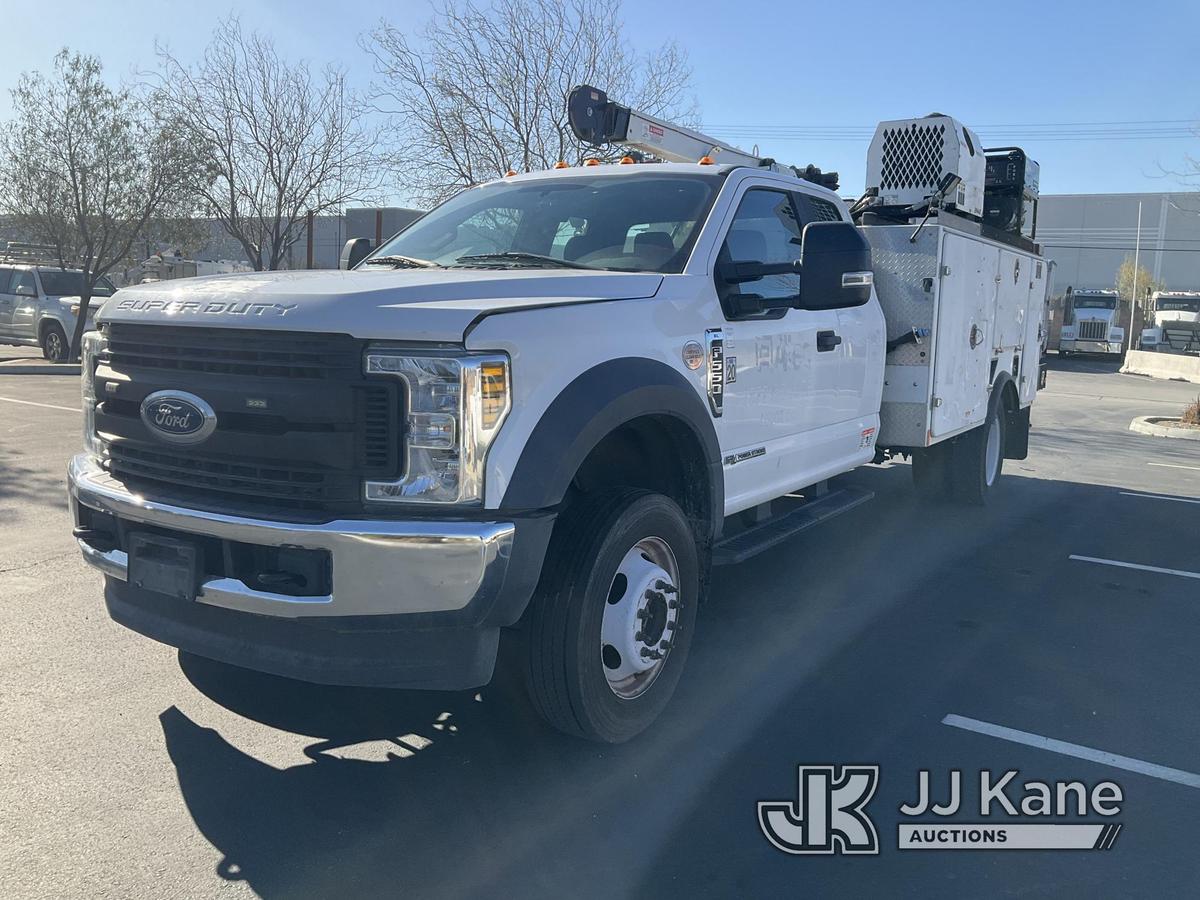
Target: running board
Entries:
(754, 540)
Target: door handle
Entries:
(827, 340)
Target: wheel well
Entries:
(46, 323)
(657, 453)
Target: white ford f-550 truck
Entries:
(551, 405)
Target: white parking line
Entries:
(1174, 466)
(1158, 497)
(1128, 763)
(1128, 565)
(43, 405)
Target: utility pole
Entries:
(1137, 248)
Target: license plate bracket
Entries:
(163, 564)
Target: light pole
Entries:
(1137, 247)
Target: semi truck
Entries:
(1090, 324)
(1174, 323)
(548, 408)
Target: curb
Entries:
(1150, 425)
(35, 369)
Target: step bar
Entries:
(774, 531)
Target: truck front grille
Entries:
(288, 484)
(1092, 330)
(258, 354)
(299, 426)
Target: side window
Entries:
(816, 209)
(765, 229)
(23, 283)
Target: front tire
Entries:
(54, 343)
(611, 622)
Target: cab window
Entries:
(765, 229)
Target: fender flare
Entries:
(591, 407)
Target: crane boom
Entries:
(597, 121)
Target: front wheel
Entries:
(54, 343)
(612, 619)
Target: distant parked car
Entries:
(39, 306)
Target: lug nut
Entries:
(666, 586)
(639, 636)
(654, 595)
(672, 603)
(647, 652)
(643, 613)
(665, 645)
(670, 626)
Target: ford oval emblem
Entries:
(178, 417)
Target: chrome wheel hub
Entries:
(641, 617)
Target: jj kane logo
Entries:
(829, 814)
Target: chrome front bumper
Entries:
(1080, 346)
(380, 567)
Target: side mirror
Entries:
(741, 272)
(354, 252)
(835, 267)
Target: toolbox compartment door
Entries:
(965, 320)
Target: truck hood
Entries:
(403, 304)
(1175, 317)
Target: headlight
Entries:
(1116, 334)
(456, 404)
(93, 344)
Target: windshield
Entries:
(1190, 304)
(641, 223)
(68, 283)
(1095, 302)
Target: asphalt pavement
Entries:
(1068, 611)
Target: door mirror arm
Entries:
(742, 272)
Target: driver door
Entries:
(781, 366)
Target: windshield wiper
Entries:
(401, 262)
(518, 258)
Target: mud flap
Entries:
(1016, 437)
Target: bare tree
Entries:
(275, 141)
(87, 169)
(484, 88)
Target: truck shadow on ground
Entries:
(468, 794)
(30, 484)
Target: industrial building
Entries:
(1089, 235)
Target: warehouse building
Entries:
(1089, 235)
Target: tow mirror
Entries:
(835, 267)
(354, 252)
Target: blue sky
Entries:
(1039, 66)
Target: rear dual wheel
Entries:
(611, 622)
(965, 468)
